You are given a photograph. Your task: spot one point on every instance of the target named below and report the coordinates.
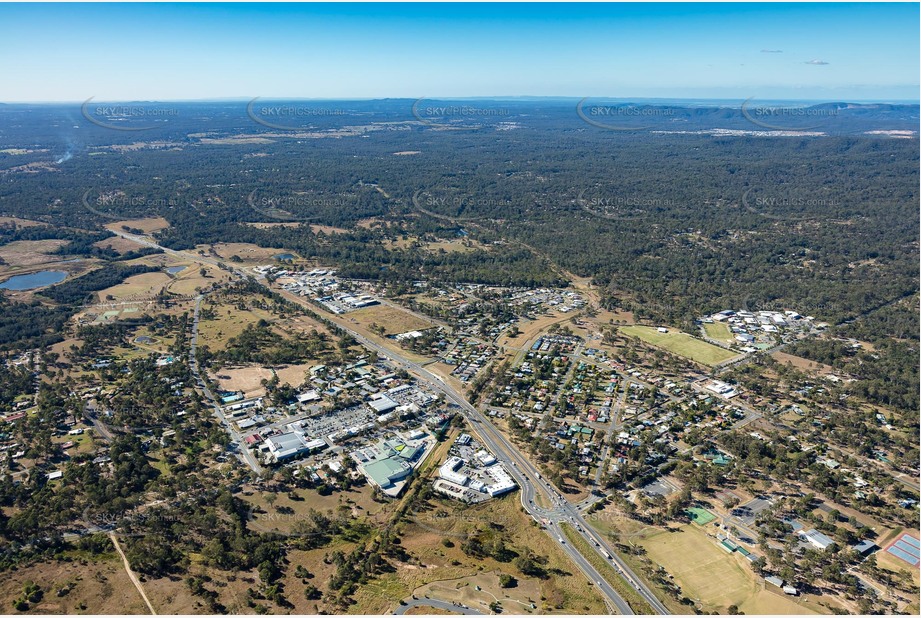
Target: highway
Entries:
(527, 477)
(525, 474)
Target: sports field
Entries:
(681, 344)
(719, 331)
(706, 572)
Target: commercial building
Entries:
(289, 445)
(816, 539)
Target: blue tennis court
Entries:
(906, 548)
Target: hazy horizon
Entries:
(206, 52)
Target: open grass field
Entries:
(357, 501)
(138, 287)
(117, 243)
(328, 229)
(393, 320)
(24, 253)
(229, 323)
(719, 331)
(248, 253)
(803, 364)
(100, 586)
(718, 579)
(190, 280)
(681, 344)
(455, 245)
(18, 221)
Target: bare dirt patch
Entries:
(249, 379)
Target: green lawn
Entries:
(682, 344)
(719, 331)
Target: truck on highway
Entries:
(560, 539)
(606, 554)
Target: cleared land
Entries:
(248, 379)
(228, 323)
(565, 591)
(23, 253)
(97, 586)
(393, 320)
(138, 287)
(248, 253)
(147, 226)
(803, 364)
(117, 243)
(681, 344)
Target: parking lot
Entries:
(322, 426)
(748, 513)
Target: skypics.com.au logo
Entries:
(623, 117)
(127, 116)
(289, 116)
(788, 118)
(453, 116)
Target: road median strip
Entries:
(636, 602)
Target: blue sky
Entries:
(120, 52)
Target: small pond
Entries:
(31, 281)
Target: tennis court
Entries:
(700, 516)
(906, 548)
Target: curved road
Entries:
(401, 609)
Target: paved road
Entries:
(401, 609)
(242, 453)
(525, 474)
(519, 467)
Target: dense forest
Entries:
(882, 350)
(675, 223)
(696, 212)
